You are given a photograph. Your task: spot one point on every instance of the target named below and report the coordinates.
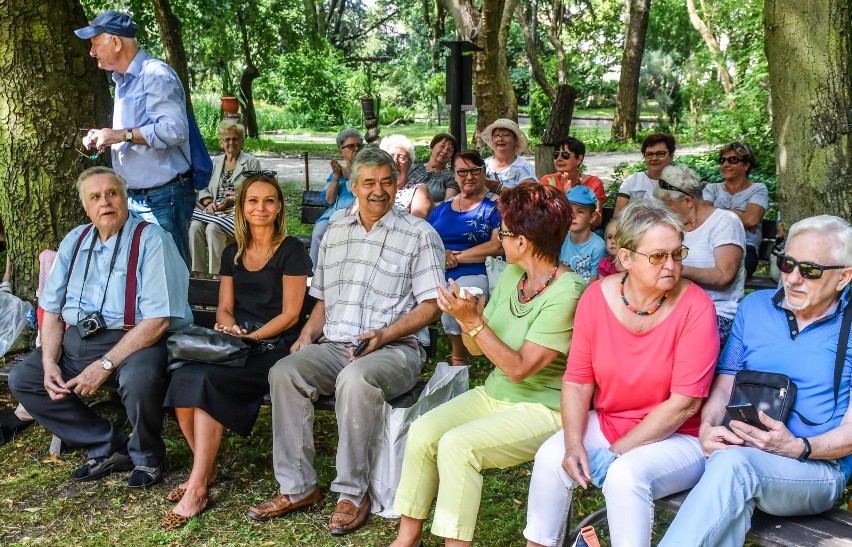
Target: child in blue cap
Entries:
(583, 250)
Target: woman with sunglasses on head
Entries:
(644, 346)
(525, 331)
(213, 217)
(435, 173)
(260, 297)
(411, 196)
(658, 150)
(338, 195)
(568, 155)
(468, 225)
(716, 242)
(748, 200)
(506, 168)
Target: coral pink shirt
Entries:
(635, 372)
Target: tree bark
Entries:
(532, 56)
(246, 95)
(626, 111)
(169, 27)
(51, 88)
(559, 123)
(715, 50)
(809, 51)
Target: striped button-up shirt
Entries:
(370, 280)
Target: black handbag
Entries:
(196, 344)
(775, 394)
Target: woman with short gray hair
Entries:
(411, 196)
(715, 238)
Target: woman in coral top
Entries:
(645, 344)
(568, 155)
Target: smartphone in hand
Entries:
(359, 349)
(745, 412)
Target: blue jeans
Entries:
(718, 510)
(171, 207)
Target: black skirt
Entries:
(231, 396)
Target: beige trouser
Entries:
(201, 237)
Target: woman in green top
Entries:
(525, 330)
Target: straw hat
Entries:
(503, 123)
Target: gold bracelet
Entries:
(476, 330)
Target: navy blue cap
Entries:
(111, 22)
(582, 195)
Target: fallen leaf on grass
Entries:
(518, 502)
(32, 509)
(52, 459)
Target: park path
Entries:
(292, 168)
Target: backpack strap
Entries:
(130, 287)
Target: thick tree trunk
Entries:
(559, 123)
(715, 50)
(626, 111)
(169, 27)
(532, 56)
(809, 51)
(51, 88)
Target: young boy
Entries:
(583, 250)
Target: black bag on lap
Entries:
(196, 344)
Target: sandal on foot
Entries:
(173, 521)
(176, 493)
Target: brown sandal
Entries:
(176, 493)
(173, 520)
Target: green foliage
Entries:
(540, 107)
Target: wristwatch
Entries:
(806, 453)
(128, 135)
(107, 364)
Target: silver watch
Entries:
(128, 135)
(107, 364)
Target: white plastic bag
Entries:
(386, 466)
(494, 266)
(13, 319)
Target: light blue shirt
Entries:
(583, 258)
(162, 280)
(153, 101)
(765, 337)
(344, 200)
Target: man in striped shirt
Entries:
(376, 282)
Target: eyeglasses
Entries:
(733, 160)
(475, 171)
(660, 154)
(505, 233)
(564, 155)
(668, 186)
(660, 258)
(262, 172)
(94, 156)
(741, 149)
(501, 135)
(230, 139)
(353, 146)
(808, 270)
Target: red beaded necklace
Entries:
(524, 299)
(652, 311)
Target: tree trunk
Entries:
(51, 88)
(559, 123)
(532, 56)
(715, 50)
(495, 97)
(809, 51)
(246, 96)
(626, 111)
(169, 27)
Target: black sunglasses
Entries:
(563, 154)
(808, 270)
(262, 172)
(668, 186)
(733, 160)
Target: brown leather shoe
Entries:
(280, 505)
(347, 518)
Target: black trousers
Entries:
(141, 381)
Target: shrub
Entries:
(540, 107)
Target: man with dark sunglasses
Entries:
(799, 467)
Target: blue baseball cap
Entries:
(111, 22)
(582, 195)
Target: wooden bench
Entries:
(830, 529)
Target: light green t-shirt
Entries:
(547, 320)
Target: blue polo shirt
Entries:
(765, 337)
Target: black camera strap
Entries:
(111, 267)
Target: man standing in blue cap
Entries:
(149, 139)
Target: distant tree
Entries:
(51, 88)
(170, 35)
(626, 110)
(810, 73)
